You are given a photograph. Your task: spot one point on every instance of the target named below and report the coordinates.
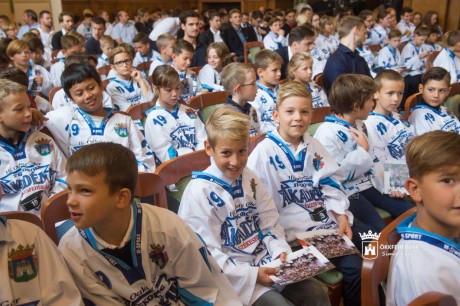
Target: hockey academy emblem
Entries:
(370, 245)
(254, 116)
(253, 188)
(158, 255)
(121, 129)
(43, 146)
(317, 162)
(190, 113)
(22, 263)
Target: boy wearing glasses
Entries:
(128, 88)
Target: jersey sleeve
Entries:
(418, 118)
(58, 124)
(410, 59)
(201, 135)
(118, 100)
(140, 148)
(204, 220)
(59, 163)
(157, 137)
(150, 95)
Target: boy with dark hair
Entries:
(430, 113)
(85, 26)
(70, 45)
(66, 21)
(86, 121)
(428, 252)
(267, 64)
(93, 44)
(143, 51)
(389, 56)
(32, 167)
(121, 252)
(448, 58)
(431, 43)
(228, 206)
(405, 25)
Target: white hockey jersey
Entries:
(274, 41)
(72, 128)
(158, 61)
(411, 60)
(102, 60)
(264, 104)
(60, 99)
(127, 93)
(389, 58)
(238, 222)
(139, 58)
(318, 96)
(449, 61)
(31, 172)
(39, 71)
(327, 45)
(169, 264)
(403, 27)
(254, 129)
(379, 35)
(56, 71)
(319, 61)
(175, 133)
(422, 262)
(369, 57)
(432, 47)
(210, 79)
(355, 162)
(425, 118)
(305, 184)
(29, 261)
(189, 84)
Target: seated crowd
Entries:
(67, 100)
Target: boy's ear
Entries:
(412, 186)
(376, 96)
(420, 88)
(259, 72)
(124, 198)
(276, 118)
(156, 90)
(173, 56)
(208, 148)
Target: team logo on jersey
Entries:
(43, 146)
(364, 128)
(190, 113)
(370, 245)
(317, 162)
(253, 188)
(158, 255)
(254, 116)
(22, 263)
(121, 129)
(263, 100)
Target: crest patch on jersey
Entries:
(253, 188)
(121, 129)
(317, 162)
(22, 263)
(158, 255)
(190, 113)
(254, 115)
(44, 146)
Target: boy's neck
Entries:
(115, 229)
(272, 87)
(350, 118)
(10, 134)
(124, 77)
(166, 59)
(177, 69)
(239, 100)
(380, 110)
(148, 53)
(167, 106)
(23, 68)
(427, 223)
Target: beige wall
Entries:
(20, 6)
(448, 10)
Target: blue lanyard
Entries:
(127, 85)
(451, 54)
(389, 118)
(334, 119)
(19, 152)
(267, 90)
(235, 192)
(297, 164)
(97, 130)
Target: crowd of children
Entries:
(245, 209)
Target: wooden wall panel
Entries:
(6, 9)
(448, 10)
(21, 5)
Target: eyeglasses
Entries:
(122, 63)
(250, 84)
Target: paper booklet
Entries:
(395, 176)
(300, 265)
(328, 242)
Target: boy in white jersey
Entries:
(275, 39)
(304, 181)
(127, 88)
(107, 44)
(143, 51)
(86, 121)
(352, 99)
(181, 61)
(34, 261)
(165, 44)
(388, 134)
(431, 114)
(326, 42)
(379, 33)
(31, 165)
(449, 58)
(171, 128)
(431, 43)
(405, 25)
(268, 68)
(123, 253)
(428, 257)
(70, 45)
(389, 56)
(228, 206)
(239, 80)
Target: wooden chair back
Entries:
(254, 141)
(433, 298)
(105, 83)
(52, 92)
(375, 271)
(410, 103)
(251, 49)
(430, 59)
(137, 112)
(104, 70)
(24, 216)
(319, 114)
(375, 48)
(281, 82)
(196, 69)
(206, 99)
(150, 184)
(319, 80)
(144, 67)
(55, 210)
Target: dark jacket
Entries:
(233, 41)
(283, 52)
(56, 40)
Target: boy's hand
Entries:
(38, 80)
(408, 33)
(136, 75)
(282, 257)
(38, 119)
(422, 55)
(360, 138)
(281, 32)
(397, 194)
(263, 277)
(344, 226)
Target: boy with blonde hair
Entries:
(268, 68)
(120, 252)
(239, 80)
(32, 166)
(107, 44)
(428, 252)
(228, 206)
(304, 181)
(165, 44)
